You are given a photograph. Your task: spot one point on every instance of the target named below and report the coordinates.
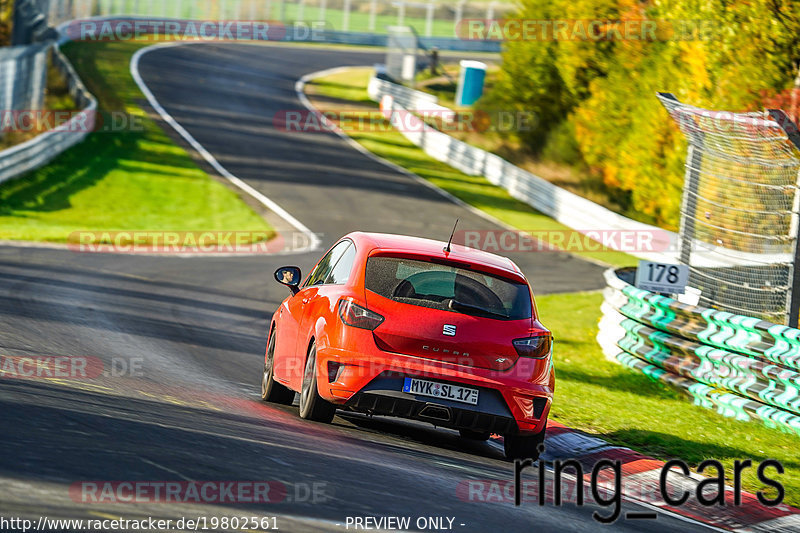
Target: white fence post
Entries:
(373, 8)
(459, 12)
(429, 19)
(346, 15)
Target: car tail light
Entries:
(357, 316)
(536, 347)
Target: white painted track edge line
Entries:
(313, 240)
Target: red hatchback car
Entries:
(411, 327)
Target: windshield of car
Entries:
(449, 288)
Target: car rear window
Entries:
(447, 287)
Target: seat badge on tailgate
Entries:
(449, 330)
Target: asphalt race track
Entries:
(193, 329)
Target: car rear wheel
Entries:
(271, 390)
(474, 435)
(312, 406)
(523, 446)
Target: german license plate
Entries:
(433, 389)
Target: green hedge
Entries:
(744, 57)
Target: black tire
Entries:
(523, 446)
(271, 390)
(474, 435)
(312, 406)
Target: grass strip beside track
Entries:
(344, 94)
(133, 179)
(592, 394)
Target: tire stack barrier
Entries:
(740, 366)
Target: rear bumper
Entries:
(510, 402)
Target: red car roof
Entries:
(386, 242)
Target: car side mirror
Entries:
(289, 276)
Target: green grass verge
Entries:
(349, 88)
(592, 394)
(137, 179)
(628, 409)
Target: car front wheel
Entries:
(271, 390)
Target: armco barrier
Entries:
(741, 366)
(40, 150)
(566, 207)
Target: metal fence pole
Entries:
(694, 159)
(459, 13)
(373, 9)
(346, 15)
(793, 303)
(401, 12)
(38, 81)
(429, 19)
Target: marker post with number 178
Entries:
(662, 277)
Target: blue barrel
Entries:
(470, 82)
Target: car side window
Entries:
(326, 264)
(341, 272)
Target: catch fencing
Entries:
(741, 366)
(739, 214)
(23, 77)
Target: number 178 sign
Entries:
(662, 277)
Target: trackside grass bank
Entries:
(344, 95)
(133, 179)
(592, 394)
